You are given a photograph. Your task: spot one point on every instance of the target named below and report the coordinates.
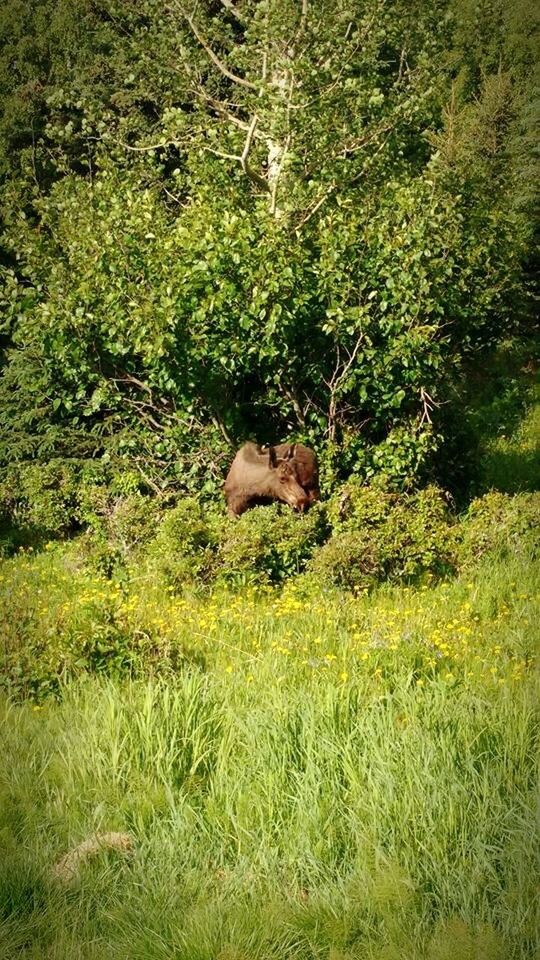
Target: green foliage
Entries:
(491, 430)
(269, 795)
(60, 496)
(41, 496)
(184, 548)
(270, 545)
(97, 645)
(118, 525)
(512, 462)
(379, 535)
(188, 262)
(500, 526)
(64, 620)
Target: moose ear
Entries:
(272, 459)
(291, 452)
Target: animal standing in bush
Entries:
(258, 477)
(306, 467)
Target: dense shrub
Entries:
(381, 535)
(184, 548)
(499, 524)
(117, 524)
(64, 495)
(349, 560)
(270, 544)
(40, 496)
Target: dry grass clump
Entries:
(66, 870)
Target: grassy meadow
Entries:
(295, 773)
(314, 777)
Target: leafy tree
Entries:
(259, 219)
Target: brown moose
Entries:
(287, 472)
(306, 468)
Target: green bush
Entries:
(40, 496)
(126, 521)
(39, 668)
(349, 560)
(381, 535)
(116, 524)
(184, 548)
(269, 544)
(500, 524)
(55, 498)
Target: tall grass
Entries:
(323, 777)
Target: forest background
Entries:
(257, 220)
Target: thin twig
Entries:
(242, 158)
(152, 146)
(222, 110)
(313, 210)
(428, 404)
(214, 58)
(230, 7)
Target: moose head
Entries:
(283, 480)
(259, 476)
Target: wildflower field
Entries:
(302, 774)
(212, 752)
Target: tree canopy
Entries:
(256, 218)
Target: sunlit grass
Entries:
(304, 775)
(61, 622)
(511, 460)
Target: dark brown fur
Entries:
(304, 461)
(261, 476)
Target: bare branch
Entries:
(222, 110)
(218, 422)
(153, 486)
(222, 154)
(172, 196)
(214, 58)
(230, 7)
(242, 158)
(152, 146)
(359, 142)
(313, 209)
(296, 405)
(352, 358)
(139, 407)
(129, 378)
(245, 154)
(336, 381)
(403, 65)
(428, 404)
